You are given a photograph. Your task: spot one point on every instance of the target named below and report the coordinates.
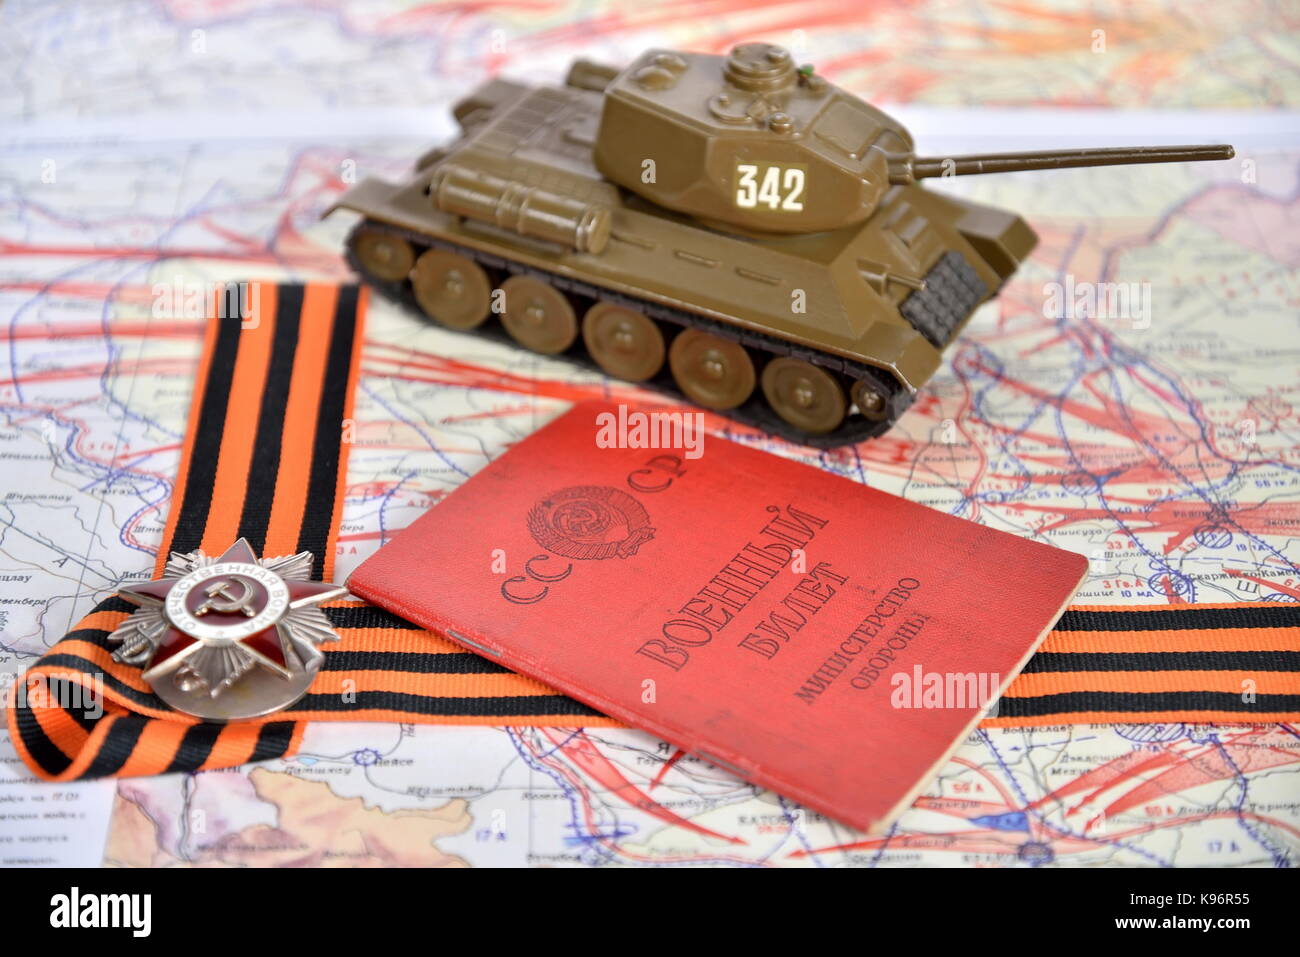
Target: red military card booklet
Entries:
(812, 635)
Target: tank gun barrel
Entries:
(911, 168)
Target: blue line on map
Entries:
(1278, 854)
(428, 439)
(1059, 830)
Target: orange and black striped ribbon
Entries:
(265, 458)
(1235, 663)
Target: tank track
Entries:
(753, 412)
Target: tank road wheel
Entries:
(383, 255)
(537, 315)
(804, 395)
(625, 343)
(452, 289)
(715, 373)
(870, 400)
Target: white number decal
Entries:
(793, 190)
(747, 188)
(776, 180)
(770, 194)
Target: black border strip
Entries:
(202, 475)
(511, 706)
(1068, 661)
(38, 744)
(273, 740)
(1189, 618)
(322, 486)
(414, 662)
(89, 668)
(366, 616)
(195, 746)
(118, 745)
(1186, 703)
(264, 464)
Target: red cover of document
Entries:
(815, 636)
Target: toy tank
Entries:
(735, 230)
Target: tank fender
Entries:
(365, 197)
(486, 100)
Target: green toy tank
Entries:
(735, 230)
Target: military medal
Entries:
(228, 637)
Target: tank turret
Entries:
(751, 141)
(736, 231)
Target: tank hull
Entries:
(875, 302)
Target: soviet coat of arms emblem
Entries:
(589, 522)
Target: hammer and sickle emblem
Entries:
(221, 599)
